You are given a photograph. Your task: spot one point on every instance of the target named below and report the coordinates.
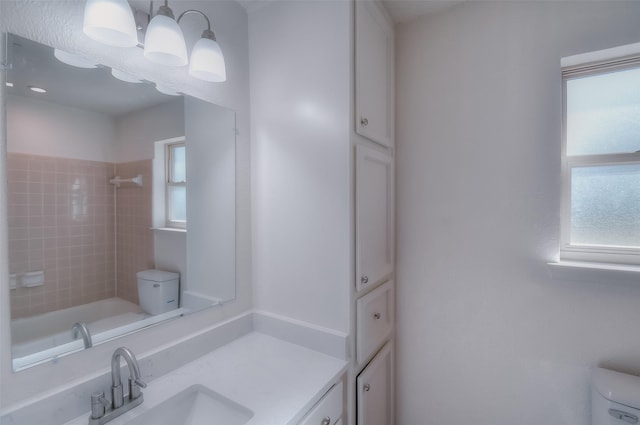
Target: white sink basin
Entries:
(196, 405)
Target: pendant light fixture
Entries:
(164, 42)
(207, 60)
(110, 22)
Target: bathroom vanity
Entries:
(256, 378)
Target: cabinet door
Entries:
(374, 73)
(374, 217)
(374, 321)
(375, 390)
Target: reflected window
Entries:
(176, 180)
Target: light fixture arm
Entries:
(165, 10)
(206, 33)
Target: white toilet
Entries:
(158, 291)
(615, 398)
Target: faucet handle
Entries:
(134, 387)
(139, 382)
(98, 405)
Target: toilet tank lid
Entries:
(157, 275)
(615, 386)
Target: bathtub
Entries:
(107, 319)
(33, 334)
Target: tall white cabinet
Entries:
(374, 288)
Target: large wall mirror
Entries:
(119, 194)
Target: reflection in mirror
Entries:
(97, 227)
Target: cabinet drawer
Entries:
(374, 321)
(328, 411)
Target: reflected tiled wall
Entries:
(61, 221)
(134, 234)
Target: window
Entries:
(601, 162)
(176, 185)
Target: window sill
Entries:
(169, 229)
(594, 272)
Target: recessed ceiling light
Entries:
(8, 84)
(37, 89)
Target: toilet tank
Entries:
(158, 291)
(615, 398)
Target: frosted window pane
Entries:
(177, 203)
(603, 113)
(178, 164)
(605, 205)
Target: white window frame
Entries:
(160, 179)
(592, 253)
(169, 183)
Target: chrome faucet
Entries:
(135, 382)
(82, 329)
(101, 410)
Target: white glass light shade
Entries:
(110, 22)
(73, 59)
(164, 43)
(207, 61)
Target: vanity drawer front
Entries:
(374, 321)
(328, 411)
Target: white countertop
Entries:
(277, 380)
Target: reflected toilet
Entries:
(158, 291)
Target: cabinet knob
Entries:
(364, 121)
(364, 279)
(377, 316)
(326, 421)
(366, 387)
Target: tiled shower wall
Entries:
(61, 221)
(134, 235)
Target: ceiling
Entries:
(33, 64)
(406, 10)
(399, 10)
(97, 90)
